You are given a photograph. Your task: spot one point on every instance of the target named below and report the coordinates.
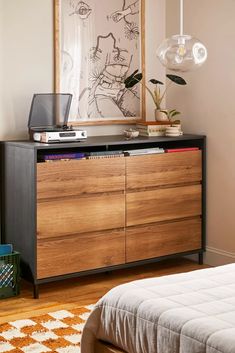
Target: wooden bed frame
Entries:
(103, 347)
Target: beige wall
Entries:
(208, 106)
(28, 59)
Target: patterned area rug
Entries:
(58, 331)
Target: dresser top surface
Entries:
(102, 141)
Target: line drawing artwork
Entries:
(81, 9)
(108, 93)
(100, 48)
(131, 28)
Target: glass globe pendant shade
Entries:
(182, 53)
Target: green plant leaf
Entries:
(129, 78)
(156, 82)
(164, 112)
(133, 79)
(138, 77)
(132, 75)
(135, 72)
(175, 113)
(176, 79)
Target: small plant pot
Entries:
(160, 116)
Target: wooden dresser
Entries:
(70, 218)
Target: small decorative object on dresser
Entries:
(156, 94)
(131, 133)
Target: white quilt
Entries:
(191, 312)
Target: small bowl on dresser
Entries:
(131, 133)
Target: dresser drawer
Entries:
(145, 242)
(59, 217)
(163, 169)
(163, 204)
(75, 177)
(80, 253)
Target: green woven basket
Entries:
(9, 275)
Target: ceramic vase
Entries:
(160, 116)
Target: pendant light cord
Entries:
(181, 17)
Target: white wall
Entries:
(208, 107)
(27, 60)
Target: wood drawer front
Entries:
(155, 240)
(66, 178)
(79, 215)
(163, 169)
(80, 252)
(163, 204)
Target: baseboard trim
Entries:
(217, 257)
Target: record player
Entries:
(48, 119)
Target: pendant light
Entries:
(182, 52)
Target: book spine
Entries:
(152, 134)
(105, 153)
(154, 123)
(63, 156)
(156, 127)
(153, 128)
(63, 160)
(170, 150)
(146, 153)
(106, 156)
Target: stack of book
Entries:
(142, 151)
(63, 156)
(105, 154)
(152, 128)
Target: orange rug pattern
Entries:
(58, 331)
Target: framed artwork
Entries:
(99, 43)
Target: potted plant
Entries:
(156, 94)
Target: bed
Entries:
(191, 312)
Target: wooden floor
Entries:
(82, 291)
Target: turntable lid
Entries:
(49, 110)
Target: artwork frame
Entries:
(140, 101)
